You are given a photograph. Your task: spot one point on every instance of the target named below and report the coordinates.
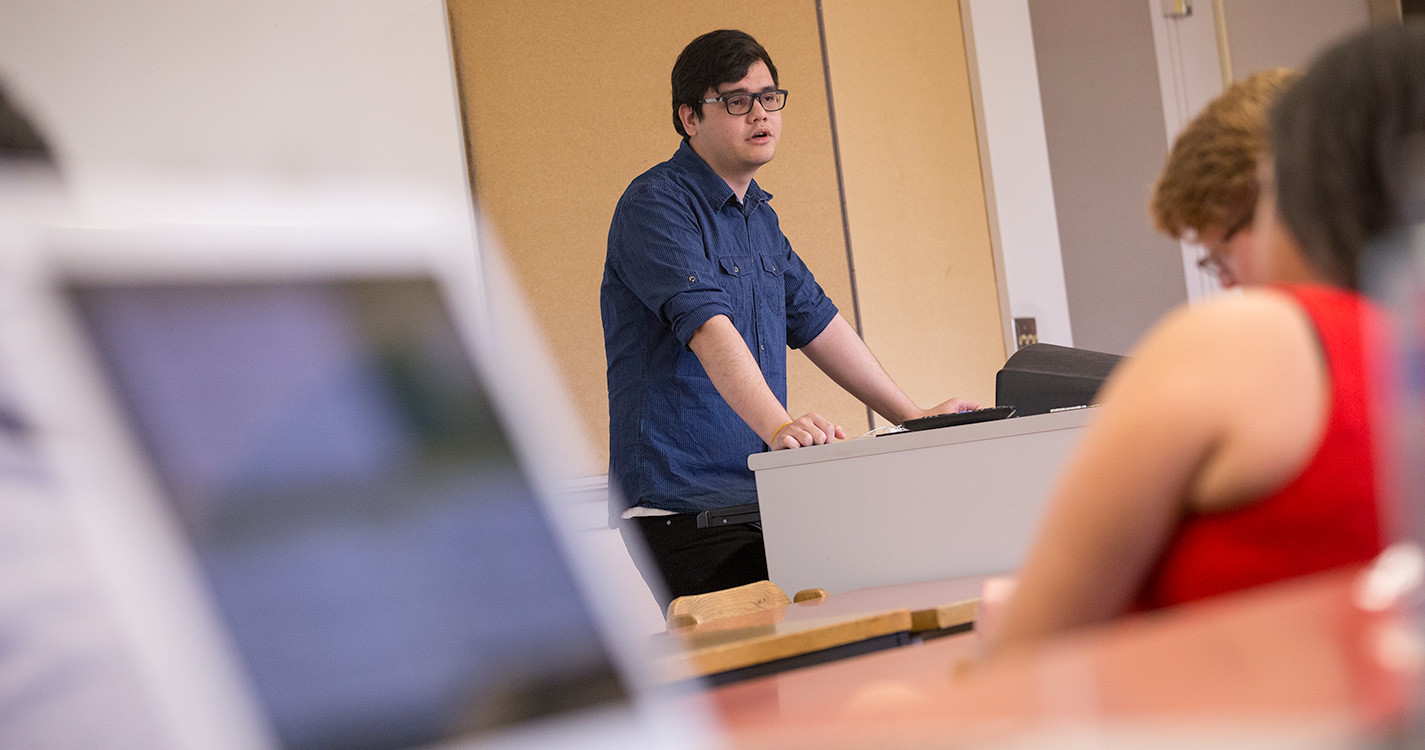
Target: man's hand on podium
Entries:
(949, 407)
(808, 429)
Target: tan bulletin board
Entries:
(915, 196)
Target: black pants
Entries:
(690, 560)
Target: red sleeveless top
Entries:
(1327, 516)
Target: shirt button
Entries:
(735, 269)
(692, 278)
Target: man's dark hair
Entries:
(1345, 141)
(717, 57)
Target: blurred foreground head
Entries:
(31, 186)
(20, 144)
(1344, 139)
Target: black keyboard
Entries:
(960, 417)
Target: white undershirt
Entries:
(638, 511)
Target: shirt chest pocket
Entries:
(739, 274)
(755, 287)
(772, 290)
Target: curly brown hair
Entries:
(1210, 179)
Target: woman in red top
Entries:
(1234, 449)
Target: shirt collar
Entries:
(710, 185)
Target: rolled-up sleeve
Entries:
(809, 310)
(658, 252)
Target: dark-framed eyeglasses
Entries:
(741, 104)
(1213, 260)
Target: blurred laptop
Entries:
(295, 460)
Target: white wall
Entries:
(1190, 74)
(1265, 34)
(265, 99)
(1103, 121)
(1015, 158)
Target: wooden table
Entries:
(838, 626)
(1299, 658)
(775, 640)
(940, 606)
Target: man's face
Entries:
(736, 145)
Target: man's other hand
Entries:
(950, 407)
(808, 429)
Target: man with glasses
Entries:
(1207, 192)
(701, 297)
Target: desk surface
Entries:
(761, 637)
(920, 439)
(1299, 656)
(933, 605)
(839, 619)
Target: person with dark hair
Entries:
(1344, 139)
(701, 297)
(1235, 448)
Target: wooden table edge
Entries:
(945, 616)
(762, 649)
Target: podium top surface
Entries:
(908, 441)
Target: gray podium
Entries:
(914, 506)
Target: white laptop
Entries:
(292, 466)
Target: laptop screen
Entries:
(368, 538)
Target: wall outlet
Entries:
(1025, 332)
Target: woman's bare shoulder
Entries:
(1210, 363)
(1252, 324)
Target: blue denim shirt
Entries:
(682, 249)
